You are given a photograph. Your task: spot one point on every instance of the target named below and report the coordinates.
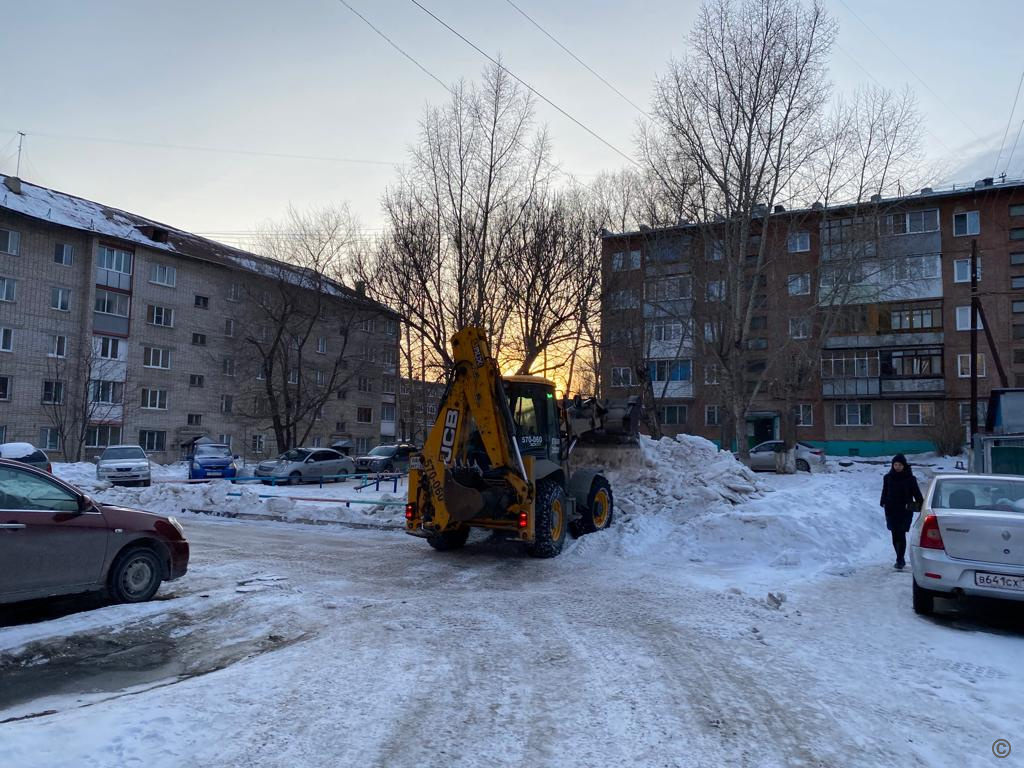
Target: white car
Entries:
(124, 465)
(969, 540)
(762, 456)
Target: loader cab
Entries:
(531, 399)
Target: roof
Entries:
(84, 215)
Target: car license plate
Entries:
(213, 474)
(999, 581)
(415, 462)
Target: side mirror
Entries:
(95, 459)
(85, 504)
(236, 456)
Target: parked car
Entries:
(305, 465)
(968, 540)
(762, 456)
(386, 458)
(26, 453)
(56, 540)
(124, 465)
(212, 460)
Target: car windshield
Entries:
(383, 450)
(295, 454)
(128, 452)
(997, 494)
(213, 451)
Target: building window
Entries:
(8, 289)
(5, 387)
(389, 356)
(672, 414)
(711, 373)
(1016, 283)
(321, 345)
(666, 331)
(106, 392)
(224, 440)
(49, 439)
(966, 224)
(1017, 209)
(911, 222)
(622, 377)
(364, 415)
(53, 392)
(911, 362)
(799, 327)
(963, 319)
(110, 348)
(669, 370)
(199, 339)
(114, 259)
(195, 380)
(257, 444)
(853, 414)
(963, 366)
(155, 399)
(112, 303)
(156, 357)
(9, 241)
(965, 412)
(229, 327)
(60, 299)
(63, 254)
(58, 346)
(669, 288)
(387, 412)
(362, 445)
(391, 327)
(235, 292)
(226, 403)
(962, 270)
(321, 377)
(799, 284)
(1018, 308)
(623, 299)
(159, 315)
(195, 419)
(202, 302)
(365, 384)
(913, 414)
(152, 440)
(803, 414)
(161, 274)
(293, 376)
(799, 242)
(716, 290)
(1017, 233)
(387, 385)
(625, 260)
(228, 366)
(712, 415)
(6, 340)
(102, 435)
(915, 319)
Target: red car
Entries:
(55, 540)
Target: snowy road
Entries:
(293, 645)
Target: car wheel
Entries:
(802, 465)
(136, 576)
(550, 523)
(448, 540)
(924, 600)
(295, 478)
(389, 467)
(598, 514)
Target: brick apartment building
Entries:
(146, 333)
(894, 352)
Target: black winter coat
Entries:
(899, 489)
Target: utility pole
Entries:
(21, 138)
(974, 339)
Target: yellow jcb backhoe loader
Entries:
(498, 455)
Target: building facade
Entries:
(115, 328)
(879, 293)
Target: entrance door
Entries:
(760, 429)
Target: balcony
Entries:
(914, 386)
(871, 386)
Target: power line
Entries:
(1009, 120)
(1010, 159)
(522, 82)
(197, 148)
(579, 60)
(394, 45)
(911, 71)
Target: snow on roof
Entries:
(16, 450)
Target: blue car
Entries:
(211, 460)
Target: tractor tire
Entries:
(597, 515)
(550, 521)
(449, 540)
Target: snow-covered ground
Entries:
(724, 619)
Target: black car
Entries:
(386, 458)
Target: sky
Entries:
(214, 116)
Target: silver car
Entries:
(124, 465)
(762, 456)
(969, 540)
(305, 465)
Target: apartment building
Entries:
(881, 290)
(116, 328)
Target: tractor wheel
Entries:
(449, 540)
(598, 513)
(550, 520)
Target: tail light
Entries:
(523, 520)
(410, 511)
(931, 536)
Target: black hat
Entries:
(901, 459)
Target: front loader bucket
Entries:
(608, 455)
(463, 503)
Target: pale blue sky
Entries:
(306, 77)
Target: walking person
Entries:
(901, 498)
